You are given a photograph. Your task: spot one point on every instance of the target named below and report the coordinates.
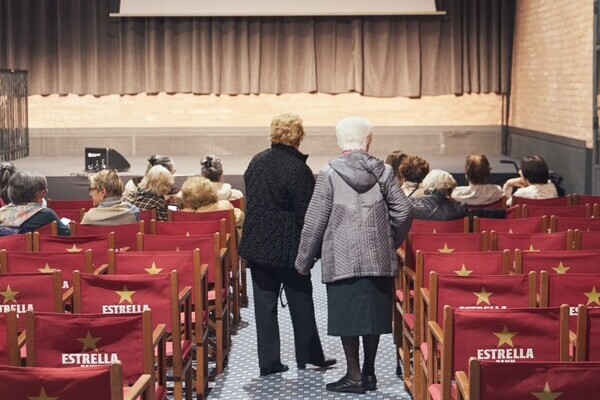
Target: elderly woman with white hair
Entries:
(437, 204)
(152, 191)
(357, 217)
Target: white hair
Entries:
(439, 181)
(354, 133)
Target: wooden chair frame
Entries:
(13, 352)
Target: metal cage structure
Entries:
(14, 127)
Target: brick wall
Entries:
(552, 67)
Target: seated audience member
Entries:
(25, 213)
(212, 169)
(106, 189)
(436, 204)
(7, 169)
(152, 191)
(132, 185)
(394, 159)
(532, 182)
(478, 193)
(413, 170)
(199, 195)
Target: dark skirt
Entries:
(360, 306)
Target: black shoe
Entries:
(326, 362)
(273, 370)
(370, 382)
(346, 385)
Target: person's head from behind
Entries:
(534, 169)
(477, 168)
(211, 169)
(27, 187)
(414, 169)
(198, 192)
(158, 180)
(105, 183)
(165, 161)
(438, 181)
(354, 133)
(286, 129)
(394, 159)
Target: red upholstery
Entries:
(8, 339)
(29, 291)
(560, 262)
(21, 242)
(443, 242)
(427, 226)
(93, 383)
(552, 202)
(86, 204)
(463, 263)
(69, 340)
(125, 234)
(76, 244)
(521, 225)
(227, 215)
(532, 241)
(574, 289)
(559, 211)
(541, 380)
(195, 228)
(589, 240)
(586, 199)
(48, 262)
(583, 224)
(593, 335)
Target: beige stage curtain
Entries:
(73, 46)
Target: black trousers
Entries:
(266, 283)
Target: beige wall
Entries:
(552, 67)
(185, 110)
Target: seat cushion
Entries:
(435, 391)
(212, 294)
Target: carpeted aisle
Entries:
(241, 379)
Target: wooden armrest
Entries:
(203, 271)
(401, 253)
(184, 294)
(67, 295)
(410, 273)
(463, 384)
(223, 253)
(572, 337)
(425, 295)
(137, 389)
(436, 331)
(158, 334)
(21, 339)
(103, 269)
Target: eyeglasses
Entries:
(92, 189)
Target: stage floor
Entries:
(67, 178)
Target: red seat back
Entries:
(443, 243)
(592, 334)
(189, 228)
(531, 241)
(47, 262)
(560, 211)
(586, 199)
(29, 292)
(85, 340)
(125, 234)
(9, 353)
(480, 292)
(124, 294)
(552, 202)
(99, 245)
(521, 225)
(20, 242)
(560, 224)
(86, 204)
(587, 240)
(560, 262)
(460, 225)
(532, 334)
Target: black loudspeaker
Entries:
(97, 158)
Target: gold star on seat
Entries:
(483, 296)
(187, 234)
(434, 231)
(446, 249)
(510, 230)
(125, 295)
(561, 269)
(531, 248)
(463, 271)
(505, 337)
(9, 295)
(47, 269)
(153, 270)
(547, 394)
(593, 296)
(74, 249)
(42, 396)
(89, 342)
(177, 249)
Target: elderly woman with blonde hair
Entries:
(152, 190)
(106, 190)
(357, 217)
(199, 195)
(279, 186)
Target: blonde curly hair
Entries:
(198, 192)
(158, 180)
(286, 129)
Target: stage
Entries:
(67, 178)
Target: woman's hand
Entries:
(515, 182)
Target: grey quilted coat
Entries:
(348, 223)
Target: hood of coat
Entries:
(359, 170)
